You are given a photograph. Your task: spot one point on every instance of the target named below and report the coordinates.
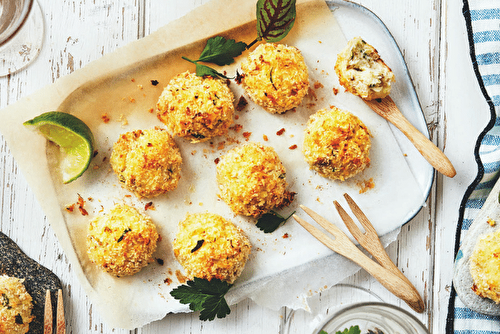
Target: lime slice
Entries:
(73, 137)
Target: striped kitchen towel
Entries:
(482, 18)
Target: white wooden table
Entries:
(432, 37)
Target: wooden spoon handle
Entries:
(388, 110)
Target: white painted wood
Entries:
(431, 35)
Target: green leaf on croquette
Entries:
(221, 51)
(204, 296)
(270, 221)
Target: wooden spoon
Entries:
(387, 109)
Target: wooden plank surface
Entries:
(432, 38)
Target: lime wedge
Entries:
(73, 137)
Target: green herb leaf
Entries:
(270, 221)
(351, 330)
(203, 70)
(275, 19)
(323, 332)
(221, 51)
(205, 296)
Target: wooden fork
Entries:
(48, 322)
(342, 245)
(387, 109)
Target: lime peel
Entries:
(72, 135)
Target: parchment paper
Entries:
(286, 266)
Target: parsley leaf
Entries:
(351, 330)
(270, 221)
(204, 296)
(221, 51)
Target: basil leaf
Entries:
(275, 18)
(221, 51)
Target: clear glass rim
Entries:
(14, 28)
(374, 304)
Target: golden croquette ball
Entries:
(209, 246)
(252, 179)
(15, 306)
(275, 77)
(362, 72)
(485, 266)
(121, 242)
(336, 144)
(196, 108)
(147, 162)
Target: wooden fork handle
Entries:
(392, 282)
(388, 110)
(398, 286)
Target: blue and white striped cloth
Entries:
(483, 25)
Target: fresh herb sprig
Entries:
(350, 330)
(275, 19)
(219, 51)
(204, 296)
(270, 221)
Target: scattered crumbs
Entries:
(280, 132)
(318, 200)
(105, 118)
(221, 145)
(133, 80)
(236, 127)
(335, 91)
(70, 208)
(312, 94)
(265, 138)
(320, 42)
(242, 103)
(491, 222)
(168, 281)
(151, 110)
(318, 85)
(200, 204)
(405, 155)
(160, 238)
(139, 86)
(217, 160)
(247, 135)
(149, 206)
(180, 277)
(311, 105)
(81, 204)
(160, 262)
(293, 147)
(365, 185)
(236, 117)
(193, 152)
(131, 99)
(128, 195)
(154, 82)
(285, 236)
